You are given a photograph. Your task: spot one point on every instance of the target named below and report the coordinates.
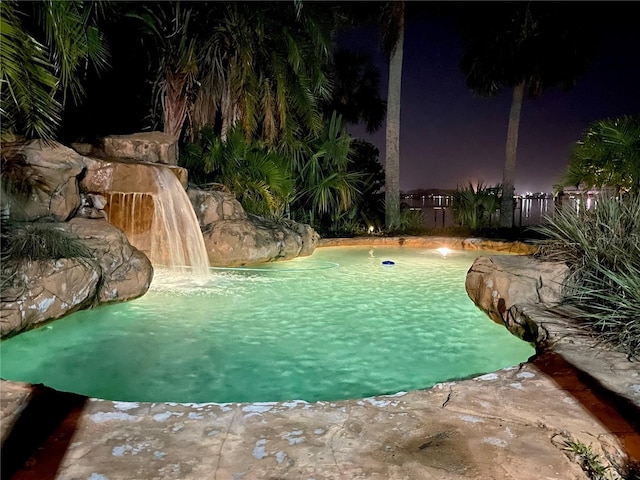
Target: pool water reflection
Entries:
(332, 326)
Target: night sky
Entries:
(449, 136)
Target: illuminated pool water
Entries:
(336, 325)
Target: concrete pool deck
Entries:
(506, 425)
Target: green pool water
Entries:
(336, 325)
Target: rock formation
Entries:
(153, 147)
(149, 203)
(233, 238)
(77, 193)
(48, 177)
(496, 283)
(45, 180)
(50, 289)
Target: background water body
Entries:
(437, 211)
(332, 326)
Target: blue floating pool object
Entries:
(388, 263)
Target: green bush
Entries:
(475, 207)
(39, 241)
(32, 241)
(608, 155)
(260, 178)
(587, 459)
(411, 222)
(601, 246)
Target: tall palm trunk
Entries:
(509, 172)
(392, 162)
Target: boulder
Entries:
(308, 235)
(233, 238)
(496, 283)
(154, 147)
(48, 175)
(242, 242)
(51, 289)
(126, 273)
(213, 206)
(48, 290)
(104, 176)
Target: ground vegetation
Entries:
(601, 246)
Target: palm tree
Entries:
(356, 90)
(273, 76)
(327, 188)
(174, 32)
(607, 156)
(528, 48)
(27, 81)
(393, 37)
(44, 46)
(260, 178)
(474, 206)
(319, 190)
(261, 65)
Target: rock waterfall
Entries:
(148, 202)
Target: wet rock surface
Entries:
(234, 238)
(45, 182)
(51, 289)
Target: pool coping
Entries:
(456, 243)
(570, 369)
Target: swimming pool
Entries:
(336, 325)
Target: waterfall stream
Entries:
(161, 223)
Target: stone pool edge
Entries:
(457, 243)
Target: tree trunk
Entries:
(174, 104)
(225, 109)
(509, 172)
(392, 161)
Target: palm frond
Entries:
(27, 82)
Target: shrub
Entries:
(475, 207)
(260, 178)
(411, 222)
(39, 241)
(601, 246)
(587, 459)
(32, 241)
